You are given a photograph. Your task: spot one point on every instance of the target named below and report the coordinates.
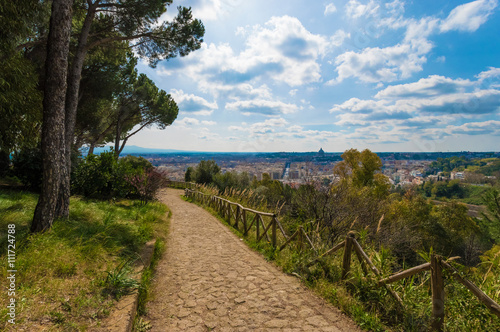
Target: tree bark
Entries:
(72, 96)
(91, 149)
(53, 127)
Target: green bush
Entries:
(103, 176)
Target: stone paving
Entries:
(209, 280)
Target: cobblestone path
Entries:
(209, 280)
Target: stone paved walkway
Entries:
(209, 280)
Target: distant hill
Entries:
(133, 149)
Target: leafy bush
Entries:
(103, 176)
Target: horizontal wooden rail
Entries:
(492, 305)
(405, 274)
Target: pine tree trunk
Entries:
(53, 128)
(91, 149)
(72, 95)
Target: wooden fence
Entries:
(182, 185)
(249, 218)
(242, 218)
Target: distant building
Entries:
(457, 175)
(321, 153)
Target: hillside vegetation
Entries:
(399, 230)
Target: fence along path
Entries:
(209, 280)
(436, 265)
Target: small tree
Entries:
(206, 171)
(147, 184)
(188, 176)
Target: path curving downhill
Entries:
(209, 280)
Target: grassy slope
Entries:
(61, 273)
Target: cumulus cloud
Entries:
(279, 128)
(491, 127)
(187, 122)
(491, 73)
(193, 104)
(282, 50)
(470, 16)
(432, 102)
(380, 64)
(355, 9)
(210, 10)
(330, 9)
(433, 85)
(401, 61)
(266, 107)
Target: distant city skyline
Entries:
(399, 76)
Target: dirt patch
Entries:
(209, 280)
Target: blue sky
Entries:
(299, 75)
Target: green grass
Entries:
(61, 274)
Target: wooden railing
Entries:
(182, 184)
(249, 218)
(239, 216)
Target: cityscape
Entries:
(402, 169)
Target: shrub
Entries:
(147, 184)
(103, 176)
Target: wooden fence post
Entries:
(273, 231)
(437, 294)
(237, 216)
(244, 214)
(258, 228)
(346, 263)
(300, 240)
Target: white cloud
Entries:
(187, 122)
(376, 64)
(490, 127)
(208, 123)
(267, 107)
(433, 85)
(432, 108)
(355, 9)
(282, 50)
(338, 37)
(470, 16)
(193, 104)
(401, 61)
(330, 9)
(489, 74)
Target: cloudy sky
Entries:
(295, 75)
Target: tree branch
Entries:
(135, 132)
(110, 39)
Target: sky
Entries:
(294, 75)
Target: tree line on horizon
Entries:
(69, 79)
